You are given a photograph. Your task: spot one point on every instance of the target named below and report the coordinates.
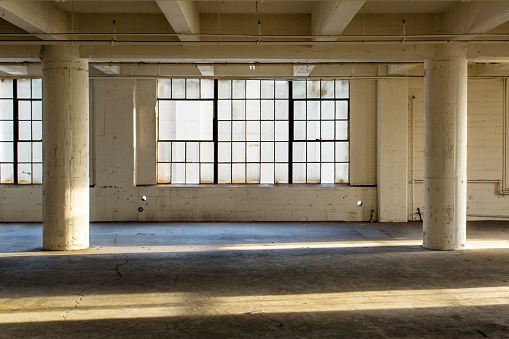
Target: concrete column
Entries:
(445, 149)
(66, 194)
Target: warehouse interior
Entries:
(254, 168)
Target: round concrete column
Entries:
(66, 192)
(445, 149)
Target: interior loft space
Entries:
(237, 169)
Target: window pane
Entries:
(163, 173)
(342, 152)
(281, 130)
(327, 110)
(224, 108)
(6, 173)
(192, 152)
(342, 89)
(253, 152)
(24, 91)
(164, 151)
(167, 123)
(299, 90)
(253, 173)
(313, 152)
(299, 110)
(24, 151)
(207, 89)
(36, 88)
(178, 173)
(267, 152)
(24, 110)
(185, 120)
(253, 130)
(24, 173)
(192, 88)
(341, 130)
(6, 88)
(299, 151)
(313, 174)
(206, 120)
(268, 130)
(341, 173)
(313, 87)
(281, 109)
(178, 152)
(225, 173)
(178, 88)
(224, 152)
(37, 174)
(267, 89)
(207, 152)
(207, 173)
(253, 110)
(327, 89)
(6, 152)
(341, 109)
(36, 130)
(193, 173)
(6, 130)
(299, 173)
(239, 131)
(238, 173)
(327, 175)
(6, 109)
(267, 110)
(224, 130)
(253, 89)
(281, 176)
(239, 152)
(327, 130)
(328, 152)
(224, 88)
(313, 130)
(164, 89)
(37, 152)
(313, 110)
(267, 174)
(281, 89)
(239, 109)
(239, 89)
(281, 152)
(37, 110)
(299, 131)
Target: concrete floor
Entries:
(230, 280)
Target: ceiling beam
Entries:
(400, 69)
(206, 70)
(492, 69)
(14, 70)
(36, 17)
(183, 18)
(475, 17)
(302, 70)
(332, 17)
(110, 70)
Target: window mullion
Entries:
(215, 131)
(290, 132)
(16, 128)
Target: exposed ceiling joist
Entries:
(206, 70)
(332, 17)
(36, 17)
(183, 18)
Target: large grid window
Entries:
(21, 131)
(253, 131)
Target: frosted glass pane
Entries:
(164, 151)
(267, 152)
(239, 152)
(6, 173)
(341, 109)
(36, 110)
(282, 89)
(268, 130)
(37, 174)
(6, 130)
(206, 120)
(178, 89)
(25, 130)
(313, 174)
(167, 123)
(313, 151)
(299, 110)
(327, 110)
(327, 130)
(224, 130)
(178, 173)
(253, 110)
(341, 130)
(327, 89)
(313, 130)
(281, 176)
(24, 91)
(207, 89)
(24, 151)
(253, 152)
(342, 152)
(36, 130)
(6, 110)
(299, 151)
(299, 130)
(313, 89)
(267, 89)
(253, 89)
(164, 173)
(239, 89)
(299, 173)
(193, 173)
(253, 173)
(224, 175)
(224, 108)
(239, 109)
(327, 175)
(239, 131)
(224, 152)
(224, 89)
(267, 174)
(178, 152)
(313, 110)
(6, 88)
(328, 152)
(37, 152)
(164, 90)
(188, 125)
(281, 109)
(36, 88)
(24, 174)
(267, 110)
(192, 152)
(342, 89)
(253, 131)
(207, 173)
(341, 173)
(281, 130)
(6, 152)
(299, 90)
(192, 88)
(24, 110)
(207, 152)
(281, 152)
(238, 173)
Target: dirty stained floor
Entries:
(253, 280)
